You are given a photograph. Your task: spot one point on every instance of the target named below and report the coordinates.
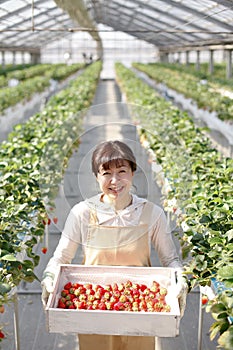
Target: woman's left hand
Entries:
(182, 289)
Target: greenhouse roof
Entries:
(166, 24)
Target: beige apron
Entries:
(118, 245)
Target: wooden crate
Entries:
(161, 324)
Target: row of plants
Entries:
(10, 96)
(206, 94)
(23, 74)
(218, 76)
(197, 186)
(11, 67)
(32, 163)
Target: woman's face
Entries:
(116, 181)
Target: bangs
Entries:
(118, 162)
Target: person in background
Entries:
(115, 227)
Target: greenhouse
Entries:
(116, 174)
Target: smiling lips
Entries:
(116, 189)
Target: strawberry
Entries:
(2, 309)
(88, 286)
(163, 291)
(102, 306)
(135, 306)
(2, 335)
(108, 287)
(142, 287)
(109, 305)
(128, 284)
(115, 287)
(64, 292)
(90, 291)
(120, 287)
(81, 305)
(83, 297)
(68, 303)
(44, 250)
(123, 298)
(204, 300)
(68, 285)
(107, 295)
(61, 304)
(118, 306)
(127, 306)
(55, 220)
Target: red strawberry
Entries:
(81, 305)
(2, 335)
(142, 287)
(204, 300)
(68, 303)
(68, 285)
(55, 220)
(61, 303)
(102, 306)
(44, 250)
(118, 306)
(64, 292)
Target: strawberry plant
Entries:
(200, 187)
(28, 160)
(207, 95)
(35, 81)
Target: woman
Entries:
(115, 227)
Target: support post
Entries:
(228, 64)
(3, 60)
(200, 323)
(16, 321)
(198, 60)
(187, 58)
(211, 62)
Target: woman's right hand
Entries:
(47, 287)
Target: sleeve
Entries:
(69, 241)
(163, 242)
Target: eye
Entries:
(106, 173)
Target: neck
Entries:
(118, 204)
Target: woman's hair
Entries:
(112, 152)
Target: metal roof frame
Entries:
(167, 24)
(193, 35)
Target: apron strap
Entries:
(93, 220)
(146, 213)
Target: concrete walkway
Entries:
(107, 119)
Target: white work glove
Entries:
(47, 287)
(181, 290)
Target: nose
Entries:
(114, 177)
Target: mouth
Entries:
(116, 190)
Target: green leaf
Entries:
(8, 257)
(229, 235)
(226, 339)
(4, 288)
(226, 272)
(214, 330)
(218, 308)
